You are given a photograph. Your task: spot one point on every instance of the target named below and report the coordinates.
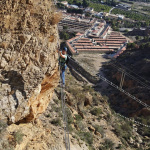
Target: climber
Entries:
(62, 62)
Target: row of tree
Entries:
(127, 24)
(131, 14)
(83, 3)
(100, 7)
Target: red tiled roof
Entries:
(115, 42)
(93, 47)
(117, 38)
(82, 44)
(104, 40)
(70, 47)
(111, 44)
(79, 46)
(115, 33)
(72, 38)
(95, 50)
(78, 34)
(84, 41)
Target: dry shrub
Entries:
(56, 18)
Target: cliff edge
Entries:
(28, 58)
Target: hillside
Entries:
(92, 123)
(135, 63)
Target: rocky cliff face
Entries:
(28, 58)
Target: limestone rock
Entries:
(131, 141)
(28, 59)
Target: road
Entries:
(111, 10)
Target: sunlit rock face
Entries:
(28, 58)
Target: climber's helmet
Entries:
(64, 50)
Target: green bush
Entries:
(123, 130)
(18, 136)
(56, 122)
(77, 93)
(126, 127)
(70, 129)
(96, 111)
(81, 126)
(86, 136)
(108, 144)
(69, 116)
(99, 129)
(87, 89)
(78, 117)
(96, 98)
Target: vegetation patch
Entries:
(132, 15)
(124, 130)
(18, 136)
(3, 125)
(78, 117)
(96, 111)
(69, 116)
(56, 122)
(108, 144)
(100, 7)
(86, 136)
(99, 129)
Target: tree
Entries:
(65, 27)
(64, 35)
(137, 37)
(131, 45)
(142, 46)
(146, 38)
(147, 45)
(70, 1)
(85, 3)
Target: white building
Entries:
(64, 3)
(74, 6)
(121, 17)
(88, 9)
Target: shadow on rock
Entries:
(16, 82)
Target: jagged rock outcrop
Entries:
(28, 57)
